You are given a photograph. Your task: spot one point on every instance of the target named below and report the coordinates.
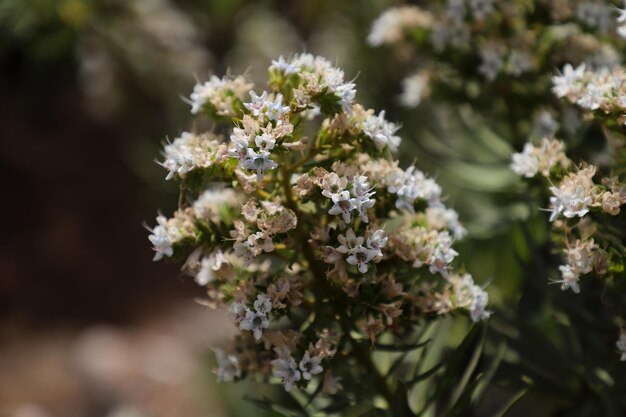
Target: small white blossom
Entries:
(258, 162)
(526, 162)
(238, 310)
(265, 141)
(391, 25)
(255, 322)
(569, 279)
(564, 83)
(188, 152)
(286, 369)
(342, 205)
(310, 366)
(208, 266)
(440, 217)
(466, 294)
(227, 366)
(414, 88)
(220, 93)
(381, 131)
(283, 66)
(160, 239)
(263, 304)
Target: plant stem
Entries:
(324, 289)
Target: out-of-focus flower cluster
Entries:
(484, 41)
(294, 214)
(603, 90)
(585, 202)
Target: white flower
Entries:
(333, 184)
(227, 366)
(470, 296)
(258, 105)
(161, 240)
(238, 310)
(410, 185)
(283, 66)
(209, 203)
(349, 241)
(265, 141)
(478, 307)
(363, 203)
(286, 369)
(571, 201)
(188, 152)
(390, 26)
(263, 106)
(592, 97)
(263, 304)
(581, 256)
(414, 88)
(320, 76)
(275, 109)
(220, 93)
(208, 266)
(261, 241)
(376, 241)
(360, 256)
(258, 162)
(442, 254)
(440, 217)
(526, 163)
(255, 322)
(342, 205)
(564, 83)
(381, 131)
(570, 279)
(310, 366)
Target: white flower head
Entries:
(286, 369)
(382, 132)
(564, 83)
(310, 366)
(255, 322)
(283, 66)
(258, 162)
(526, 162)
(414, 89)
(569, 279)
(342, 205)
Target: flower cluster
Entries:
(190, 151)
(219, 95)
(489, 40)
(313, 242)
(579, 207)
(540, 159)
(602, 90)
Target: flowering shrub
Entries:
(495, 63)
(294, 214)
(585, 213)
